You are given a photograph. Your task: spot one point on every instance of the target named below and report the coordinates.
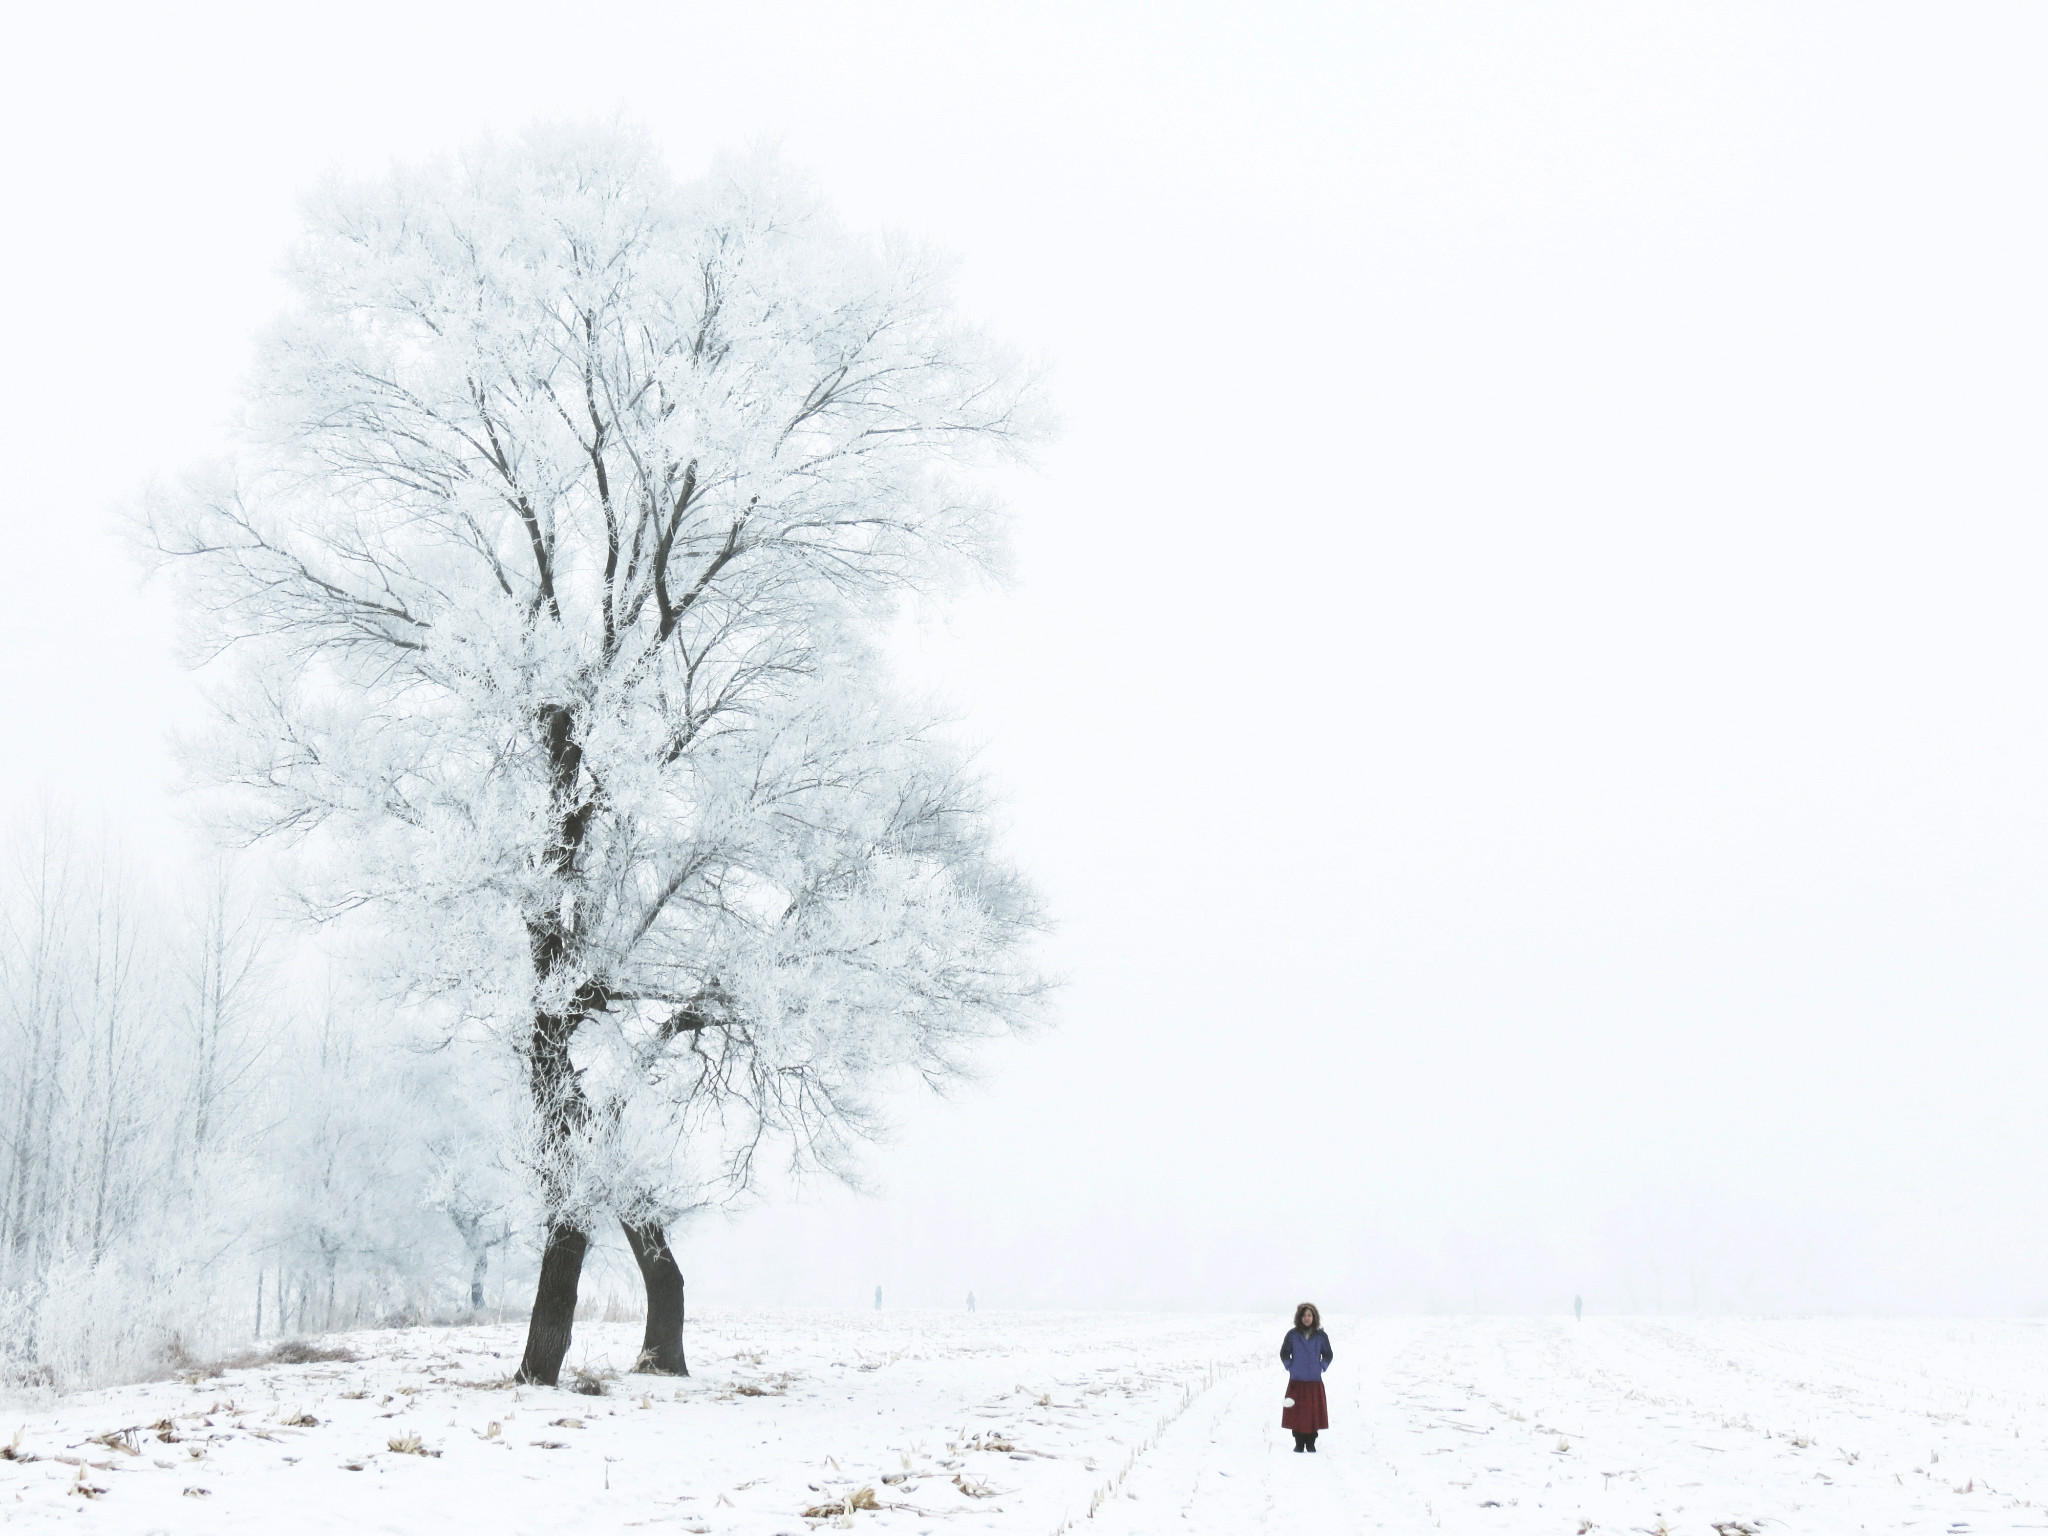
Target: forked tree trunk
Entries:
(661, 1347)
(554, 1306)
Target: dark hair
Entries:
(1308, 1306)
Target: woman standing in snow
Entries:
(1306, 1352)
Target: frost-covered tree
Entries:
(82, 1058)
(130, 1043)
(542, 598)
(190, 1155)
(469, 1178)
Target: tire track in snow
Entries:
(1216, 1376)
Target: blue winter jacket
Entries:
(1306, 1354)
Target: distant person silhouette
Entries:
(1578, 1310)
(1306, 1353)
(970, 1301)
(878, 1298)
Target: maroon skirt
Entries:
(1307, 1409)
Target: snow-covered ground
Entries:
(1027, 1422)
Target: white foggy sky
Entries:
(1526, 688)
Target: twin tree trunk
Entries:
(554, 1303)
(558, 1096)
(563, 1110)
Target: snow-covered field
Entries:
(1027, 1422)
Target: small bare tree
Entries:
(542, 596)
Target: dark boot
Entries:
(1311, 1441)
(1300, 1442)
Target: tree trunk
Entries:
(661, 1347)
(557, 1090)
(476, 1279)
(559, 1098)
(554, 1306)
(563, 1110)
